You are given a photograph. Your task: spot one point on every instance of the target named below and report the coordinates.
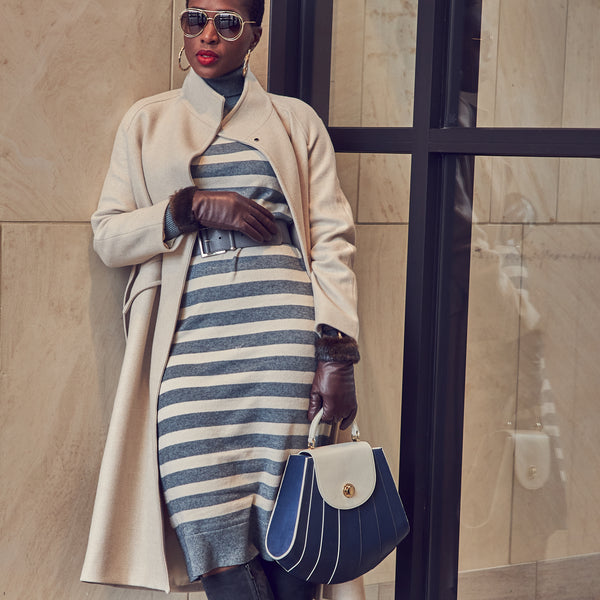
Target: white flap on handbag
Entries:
(345, 473)
(532, 458)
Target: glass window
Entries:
(372, 66)
(539, 63)
(531, 452)
(377, 185)
(380, 205)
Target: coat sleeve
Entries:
(332, 234)
(128, 227)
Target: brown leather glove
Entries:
(333, 389)
(191, 208)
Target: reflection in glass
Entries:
(531, 452)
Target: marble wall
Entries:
(69, 72)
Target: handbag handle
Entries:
(312, 432)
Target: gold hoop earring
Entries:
(179, 60)
(246, 61)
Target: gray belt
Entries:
(218, 241)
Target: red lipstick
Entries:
(206, 57)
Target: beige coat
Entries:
(130, 541)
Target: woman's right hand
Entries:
(232, 211)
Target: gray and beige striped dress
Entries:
(234, 394)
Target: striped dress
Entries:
(234, 394)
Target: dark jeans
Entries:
(257, 580)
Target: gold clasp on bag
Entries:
(349, 490)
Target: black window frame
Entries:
(432, 414)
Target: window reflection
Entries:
(530, 459)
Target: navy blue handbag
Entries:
(338, 513)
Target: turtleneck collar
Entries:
(230, 86)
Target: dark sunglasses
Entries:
(228, 24)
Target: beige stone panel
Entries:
(62, 342)
(384, 572)
(564, 280)
(345, 101)
(258, 62)
(524, 190)
(381, 274)
(348, 167)
(579, 190)
(69, 72)
(575, 578)
(491, 386)
(102, 592)
(482, 189)
(486, 500)
(580, 178)
(351, 590)
(582, 65)
(384, 188)
(502, 583)
(531, 55)
(557, 544)
(389, 63)
(177, 74)
(387, 591)
(372, 592)
(488, 63)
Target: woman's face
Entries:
(211, 56)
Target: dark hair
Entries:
(256, 10)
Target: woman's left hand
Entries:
(333, 389)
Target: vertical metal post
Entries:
(315, 68)
(300, 51)
(436, 314)
(284, 47)
(425, 468)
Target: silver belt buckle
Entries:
(205, 245)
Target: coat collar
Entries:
(253, 107)
(203, 99)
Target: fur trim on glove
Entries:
(337, 349)
(180, 204)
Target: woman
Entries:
(240, 315)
